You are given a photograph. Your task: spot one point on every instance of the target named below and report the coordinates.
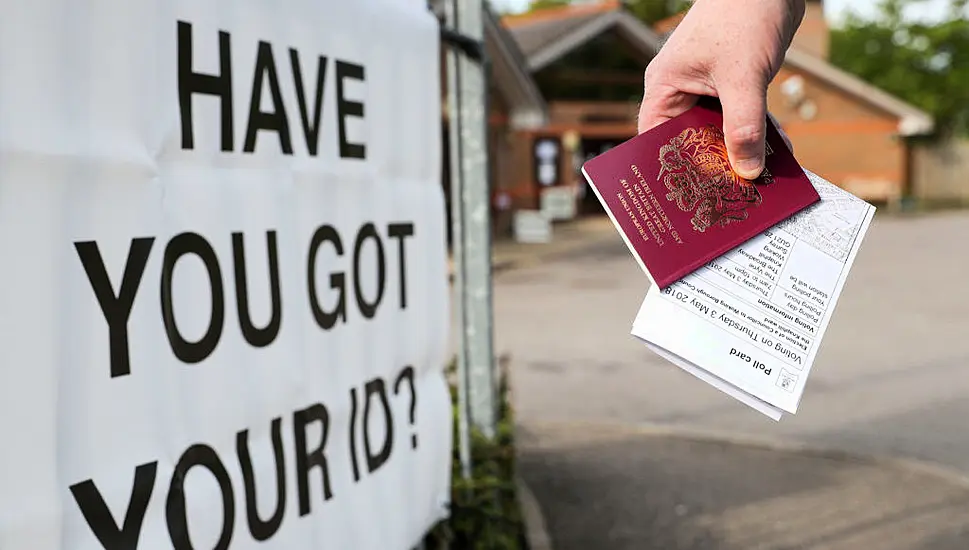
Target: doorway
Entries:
(588, 202)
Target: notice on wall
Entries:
(559, 202)
(224, 289)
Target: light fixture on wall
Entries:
(570, 140)
(793, 90)
(808, 109)
(545, 152)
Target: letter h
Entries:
(190, 82)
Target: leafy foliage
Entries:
(926, 65)
(649, 11)
(535, 5)
(484, 508)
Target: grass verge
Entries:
(485, 514)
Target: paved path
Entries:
(892, 377)
(616, 489)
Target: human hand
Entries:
(730, 49)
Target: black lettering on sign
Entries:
(354, 462)
(307, 459)
(265, 74)
(311, 130)
(378, 459)
(180, 245)
(191, 82)
(257, 337)
(117, 305)
(175, 509)
(347, 108)
(401, 231)
(124, 533)
(326, 319)
(99, 518)
(375, 391)
(274, 120)
(408, 374)
(368, 309)
(367, 305)
(116, 308)
(263, 529)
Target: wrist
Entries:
(797, 6)
(795, 12)
(793, 9)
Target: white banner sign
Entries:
(223, 296)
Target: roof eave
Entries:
(644, 37)
(527, 118)
(916, 125)
(529, 108)
(912, 121)
(564, 44)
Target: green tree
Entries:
(534, 5)
(649, 11)
(926, 65)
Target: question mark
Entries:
(408, 373)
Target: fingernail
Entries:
(749, 168)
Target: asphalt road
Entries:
(891, 378)
(611, 488)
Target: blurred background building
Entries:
(567, 78)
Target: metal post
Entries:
(454, 150)
(471, 219)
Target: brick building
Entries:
(567, 82)
(844, 129)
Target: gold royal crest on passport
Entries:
(696, 170)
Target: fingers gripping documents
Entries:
(750, 320)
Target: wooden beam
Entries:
(615, 131)
(595, 76)
(835, 127)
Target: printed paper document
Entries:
(751, 321)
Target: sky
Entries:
(926, 10)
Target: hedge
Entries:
(484, 509)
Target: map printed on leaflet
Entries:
(751, 321)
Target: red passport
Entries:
(678, 204)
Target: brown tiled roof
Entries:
(560, 12)
(535, 35)
(546, 35)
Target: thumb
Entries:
(745, 127)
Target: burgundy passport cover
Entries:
(672, 194)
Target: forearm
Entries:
(795, 10)
(792, 11)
